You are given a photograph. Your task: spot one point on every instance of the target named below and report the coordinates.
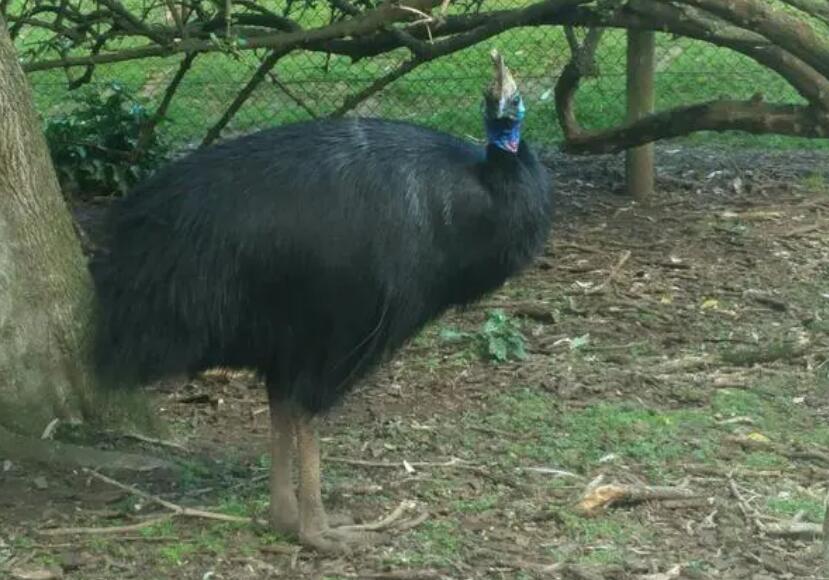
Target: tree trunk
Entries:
(46, 296)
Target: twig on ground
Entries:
(518, 561)
(105, 530)
(751, 515)
(599, 497)
(454, 462)
(612, 276)
(384, 523)
(684, 504)
(811, 455)
(552, 471)
(175, 508)
(799, 530)
(150, 440)
(50, 429)
(413, 522)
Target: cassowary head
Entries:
(501, 98)
(503, 108)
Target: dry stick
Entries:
(612, 276)
(454, 462)
(105, 530)
(751, 515)
(383, 523)
(602, 496)
(175, 508)
(151, 440)
(189, 512)
(801, 530)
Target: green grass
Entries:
(790, 504)
(444, 94)
(580, 439)
(653, 438)
(435, 543)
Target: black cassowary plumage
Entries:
(309, 253)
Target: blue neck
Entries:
(504, 133)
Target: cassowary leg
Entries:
(284, 514)
(314, 530)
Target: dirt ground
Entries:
(676, 358)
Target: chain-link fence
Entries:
(444, 93)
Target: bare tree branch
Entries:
(148, 128)
(241, 98)
(364, 23)
(793, 35)
(724, 115)
(378, 85)
(291, 95)
(783, 40)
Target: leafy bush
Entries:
(499, 339)
(93, 145)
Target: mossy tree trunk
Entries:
(46, 295)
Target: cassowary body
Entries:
(309, 253)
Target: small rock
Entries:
(40, 482)
(7, 465)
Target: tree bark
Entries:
(46, 296)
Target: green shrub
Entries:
(93, 144)
(499, 339)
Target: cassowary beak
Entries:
(503, 89)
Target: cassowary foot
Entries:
(342, 540)
(345, 538)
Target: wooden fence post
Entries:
(639, 164)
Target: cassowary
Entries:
(310, 253)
